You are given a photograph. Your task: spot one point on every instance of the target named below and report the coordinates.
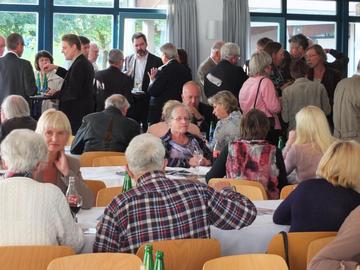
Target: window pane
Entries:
(354, 47)
(159, 4)
(23, 2)
(322, 33)
(354, 8)
(98, 28)
(263, 29)
(85, 3)
(24, 24)
(319, 7)
(271, 6)
(154, 29)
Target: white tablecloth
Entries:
(113, 176)
(252, 239)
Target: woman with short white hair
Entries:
(32, 213)
(258, 92)
(15, 113)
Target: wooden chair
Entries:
(106, 195)
(298, 245)
(285, 191)
(86, 158)
(185, 254)
(95, 186)
(96, 261)
(316, 245)
(251, 189)
(247, 261)
(31, 257)
(109, 161)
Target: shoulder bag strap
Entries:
(257, 92)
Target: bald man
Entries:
(202, 113)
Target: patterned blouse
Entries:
(227, 130)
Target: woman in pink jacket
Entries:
(259, 92)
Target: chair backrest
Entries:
(316, 245)
(86, 158)
(185, 254)
(109, 161)
(251, 189)
(95, 185)
(31, 257)
(106, 195)
(298, 243)
(96, 261)
(247, 261)
(285, 191)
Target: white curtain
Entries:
(236, 25)
(183, 29)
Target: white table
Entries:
(252, 239)
(112, 175)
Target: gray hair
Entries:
(217, 45)
(167, 109)
(229, 50)
(15, 106)
(115, 56)
(22, 150)
(226, 99)
(258, 62)
(174, 108)
(145, 153)
(169, 50)
(118, 101)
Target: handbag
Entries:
(271, 119)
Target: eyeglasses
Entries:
(186, 119)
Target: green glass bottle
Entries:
(159, 261)
(127, 185)
(281, 143)
(45, 84)
(148, 258)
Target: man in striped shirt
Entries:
(160, 209)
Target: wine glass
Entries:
(75, 202)
(198, 155)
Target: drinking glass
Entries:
(198, 155)
(75, 203)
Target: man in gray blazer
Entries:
(16, 74)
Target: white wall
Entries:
(208, 10)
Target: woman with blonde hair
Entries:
(323, 203)
(308, 143)
(55, 127)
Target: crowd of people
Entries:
(228, 118)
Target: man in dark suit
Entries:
(108, 130)
(76, 94)
(226, 75)
(16, 74)
(166, 82)
(112, 81)
(137, 67)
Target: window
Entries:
(354, 47)
(319, 7)
(354, 8)
(84, 3)
(25, 24)
(158, 4)
(98, 28)
(269, 6)
(322, 33)
(263, 29)
(22, 2)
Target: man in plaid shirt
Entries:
(161, 209)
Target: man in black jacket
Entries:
(108, 130)
(137, 67)
(76, 93)
(226, 75)
(112, 81)
(166, 82)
